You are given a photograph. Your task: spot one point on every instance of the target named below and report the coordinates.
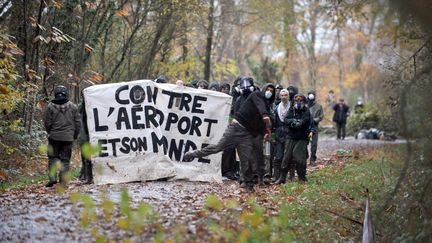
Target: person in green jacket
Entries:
(62, 123)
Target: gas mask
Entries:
(311, 97)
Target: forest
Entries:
(379, 52)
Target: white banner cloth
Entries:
(144, 128)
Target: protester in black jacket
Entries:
(86, 173)
(298, 121)
(341, 112)
(250, 121)
(243, 87)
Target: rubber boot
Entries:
(301, 171)
(282, 177)
(277, 170)
(82, 175)
(88, 172)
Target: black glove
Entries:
(296, 123)
(289, 122)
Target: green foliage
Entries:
(265, 72)
(306, 210)
(213, 203)
(11, 92)
(369, 117)
(88, 150)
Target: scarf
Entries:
(283, 110)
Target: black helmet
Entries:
(61, 93)
(246, 85)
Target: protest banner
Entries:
(144, 128)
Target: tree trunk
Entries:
(155, 46)
(207, 62)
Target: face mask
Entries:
(298, 105)
(311, 96)
(268, 94)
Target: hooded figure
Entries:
(62, 123)
(278, 88)
(250, 121)
(215, 86)
(193, 84)
(265, 163)
(317, 114)
(359, 107)
(280, 111)
(160, 79)
(298, 122)
(202, 84)
(225, 88)
(292, 90)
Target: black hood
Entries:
(295, 91)
(214, 85)
(312, 92)
(311, 102)
(264, 87)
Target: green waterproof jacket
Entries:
(62, 121)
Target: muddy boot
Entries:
(277, 170)
(282, 177)
(302, 174)
(267, 179)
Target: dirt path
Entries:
(39, 214)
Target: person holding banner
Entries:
(250, 121)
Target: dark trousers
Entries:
(295, 156)
(279, 148)
(58, 151)
(340, 127)
(229, 163)
(314, 147)
(258, 150)
(236, 136)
